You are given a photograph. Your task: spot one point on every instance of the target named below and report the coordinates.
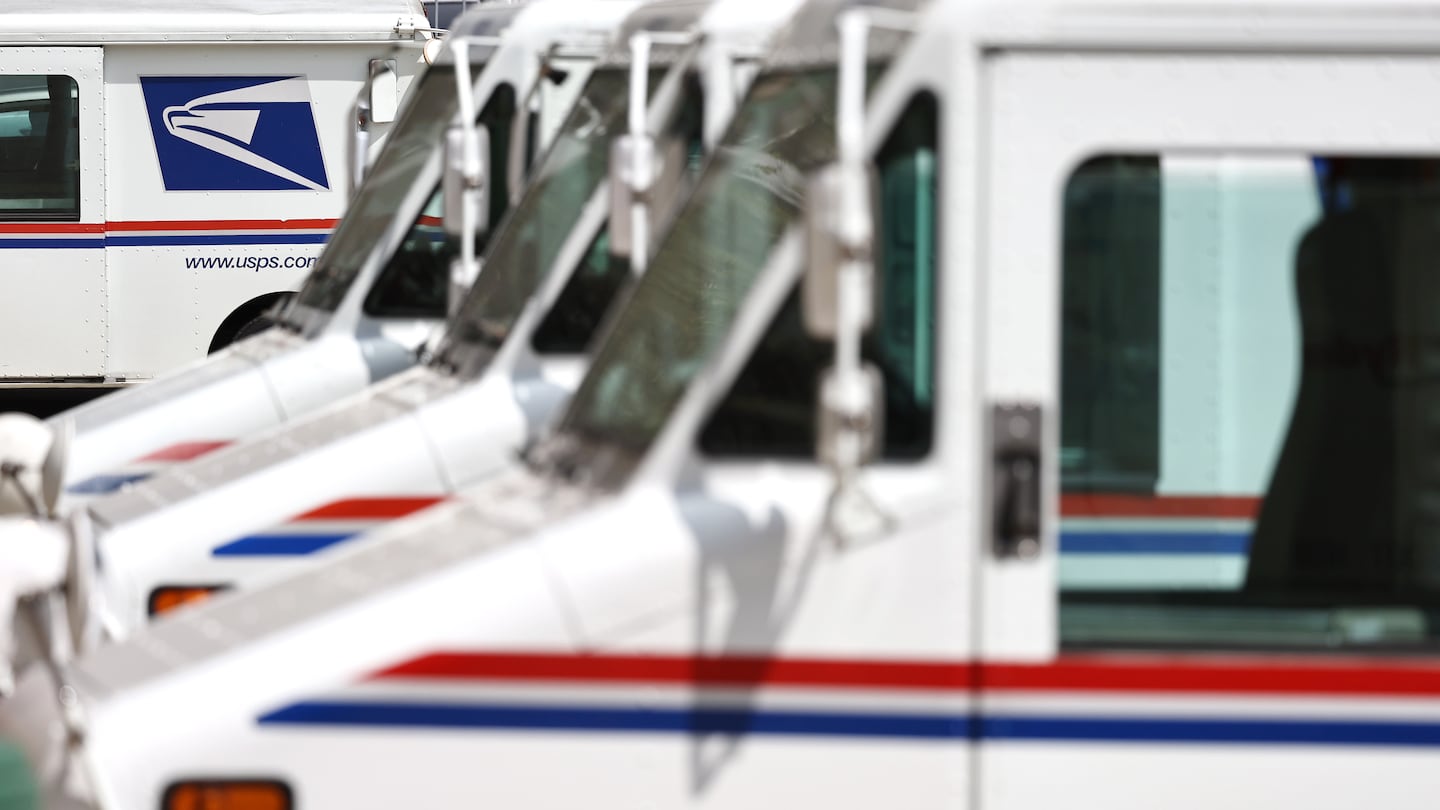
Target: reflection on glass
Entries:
(686, 302)
(413, 141)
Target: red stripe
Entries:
(727, 671)
(222, 225)
(1100, 504)
(426, 219)
(53, 227)
(1251, 676)
(183, 451)
(1095, 674)
(369, 508)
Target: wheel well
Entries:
(243, 314)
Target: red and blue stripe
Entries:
(144, 467)
(165, 233)
(325, 526)
(1103, 523)
(1080, 677)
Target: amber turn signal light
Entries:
(237, 794)
(168, 597)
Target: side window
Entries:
(1111, 353)
(415, 281)
(570, 324)
(39, 148)
(1248, 400)
(770, 410)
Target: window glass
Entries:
(414, 282)
(570, 324)
(39, 148)
(771, 409)
(750, 192)
(749, 196)
(415, 139)
(1249, 400)
(568, 175)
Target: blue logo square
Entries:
(234, 133)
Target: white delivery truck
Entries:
(672, 604)
(170, 168)
(511, 357)
(377, 289)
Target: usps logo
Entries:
(234, 133)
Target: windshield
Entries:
(684, 305)
(415, 138)
(527, 244)
(415, 280)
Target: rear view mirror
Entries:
(839, 232)
(384, 91)
(467, 205)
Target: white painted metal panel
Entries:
(52, 272)
(1045, 745)
(182, 260)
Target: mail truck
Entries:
(169, 169)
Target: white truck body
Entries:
(229, 518)
(667, 622)
(330, 341)
(201, 167)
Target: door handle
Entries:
(1016, 522)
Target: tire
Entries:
(247, 320)
(251, 327)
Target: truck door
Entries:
(52, 213)
(1216, 276)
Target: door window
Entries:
(39, 148)
(1250, 401)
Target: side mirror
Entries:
(384, 91)
(467, 204)
(633, 162)
(839, 233)
(465, 181)
(646, 174)
(26, 443)
(357, 155)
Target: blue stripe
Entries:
(104, 484)
(34, 244)
(694, 721)
(1154, 542)
(261, 545)
(1232, 731)
(219, 239)
(935, 727)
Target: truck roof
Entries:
(53, 22)
(1239, 25)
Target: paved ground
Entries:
(45, 402)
